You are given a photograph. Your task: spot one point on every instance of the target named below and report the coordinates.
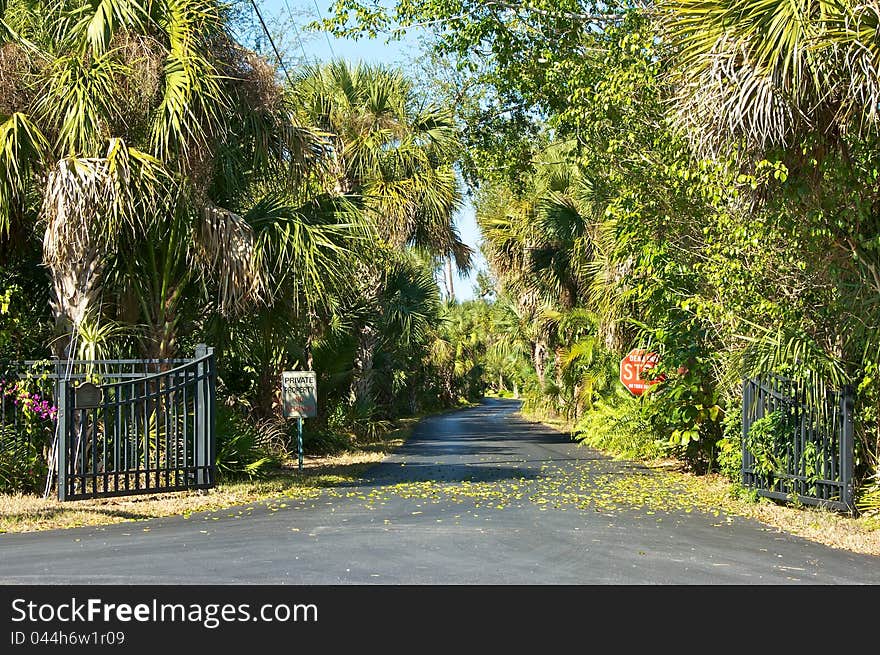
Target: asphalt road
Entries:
(475, 496)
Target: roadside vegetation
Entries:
(698, 179)
(269, 486)
(694, 178)
(161, 185)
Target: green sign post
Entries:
(299, 400)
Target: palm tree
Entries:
(308, 253)
(395, 156)
(123, 114)
(771, 73)
(393, 152)
(396, 307)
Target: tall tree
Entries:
(120, 115)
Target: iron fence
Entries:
(121, 427)
(803, 448)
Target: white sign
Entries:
(299, 394)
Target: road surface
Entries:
(475, 496)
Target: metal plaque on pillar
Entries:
(87, 396)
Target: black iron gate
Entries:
(804, 447)
(128, 427)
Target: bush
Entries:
(619, 427)
(22, 467)
(366, 422)
(729, 456)
(868, 501)
(242, 450)
(767, 441)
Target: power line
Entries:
(272, 41)
(296, 31)
(327, 36)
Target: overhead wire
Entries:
(296, 31)
(272, 42)
(327, 36)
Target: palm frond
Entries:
(790, 351)
(765, 71)
(581, 352)
(77, 101)
(23, 150)
(194, 102)
(106, 17)
(305, 250)
(412, 303)
(225, 250)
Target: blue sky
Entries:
(322, 47)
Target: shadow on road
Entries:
(488, 443)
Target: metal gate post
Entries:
(62, 430)
(201, 398)
(746, 401)
(847, 447)
(210, 424)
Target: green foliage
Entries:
(242, 450)
(22, 465)
(366, 423)
(619, 427)
(868, 501)
(768, 439)
(724, 219)
(333, 437)
(24, 313)
(688, 178)
(729, 455)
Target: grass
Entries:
(28, 513)
(670, 487)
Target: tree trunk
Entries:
(557, 370)
(76, 288)
(163, 333)
(310, 357)
(538, 359)
(449, 285)
(362, 384)
(557, 365)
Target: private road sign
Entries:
(299, 394)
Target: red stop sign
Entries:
(631, 368)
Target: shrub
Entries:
(22, 467)
(619, 427)
(241, 448)
(868, 502)
(729, 456)
(366, 422)
(767, 441)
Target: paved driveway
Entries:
(475, 496)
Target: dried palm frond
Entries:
(90, 200)
(140, 87)
(15, 94)
(856, 34)
(225, 250)
(87, 204)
